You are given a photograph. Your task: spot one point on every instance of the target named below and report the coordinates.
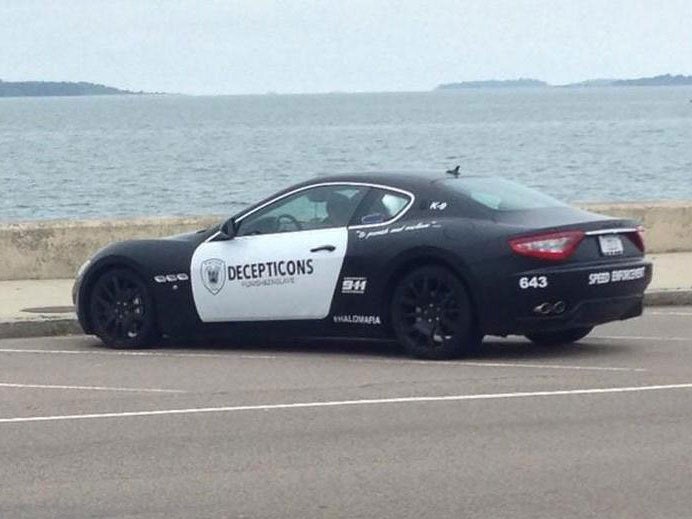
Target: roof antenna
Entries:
(454, 172)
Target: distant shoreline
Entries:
(38, 89)
(59, 88)
(666, 80)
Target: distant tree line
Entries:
(662, 80)
(56, 88)
(495, 83)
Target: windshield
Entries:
(500, 194)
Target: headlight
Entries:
(84, 266)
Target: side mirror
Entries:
(228, 229)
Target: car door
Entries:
(284, 262)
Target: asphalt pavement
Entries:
(333, 429)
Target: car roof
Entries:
(401, 179)
(417, 182)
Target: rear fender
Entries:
(421, 256)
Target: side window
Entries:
(316, 208)
(380, 206)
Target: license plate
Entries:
(611, 245)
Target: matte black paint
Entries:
(467, 237)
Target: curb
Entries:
(677, 297)
(70, 326)
(39, 328)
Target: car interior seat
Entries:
(338, 209)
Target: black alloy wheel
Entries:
(121, 310)
(559, 337)
(432, 315)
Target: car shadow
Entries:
(494, 349)
(516, 349)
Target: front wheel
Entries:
(559, 337)
(122, 310)
(432, 315)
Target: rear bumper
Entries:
(584, 314)
(571, 296)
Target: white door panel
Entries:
(268, 277)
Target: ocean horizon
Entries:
(168, 155)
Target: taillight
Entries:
(638, 238)
(553, 246)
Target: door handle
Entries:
(328, 248)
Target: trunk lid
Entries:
(606, 239)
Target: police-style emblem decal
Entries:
(214, 275)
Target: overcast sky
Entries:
(257, 46)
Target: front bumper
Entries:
(78, 306)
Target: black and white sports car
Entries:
(434, 260)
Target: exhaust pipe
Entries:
(550, 308)
(543, 309)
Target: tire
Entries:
(432, 315)
(559, 337)
(122, 310)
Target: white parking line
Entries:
(344, 403)
(89, 388)
(641, 338)
(231, 355)
(482, 364)
(654, 312)
(550, 366)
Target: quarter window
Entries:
(380, 206)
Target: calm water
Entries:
(99, 157)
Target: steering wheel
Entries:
(291, 220)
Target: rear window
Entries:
(500, 194)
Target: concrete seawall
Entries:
(668, 224)
(55, 249)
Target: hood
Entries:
(194, 236)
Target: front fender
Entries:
(150, 259)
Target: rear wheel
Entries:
(432, 315)
(559, 337)
(122, 310)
